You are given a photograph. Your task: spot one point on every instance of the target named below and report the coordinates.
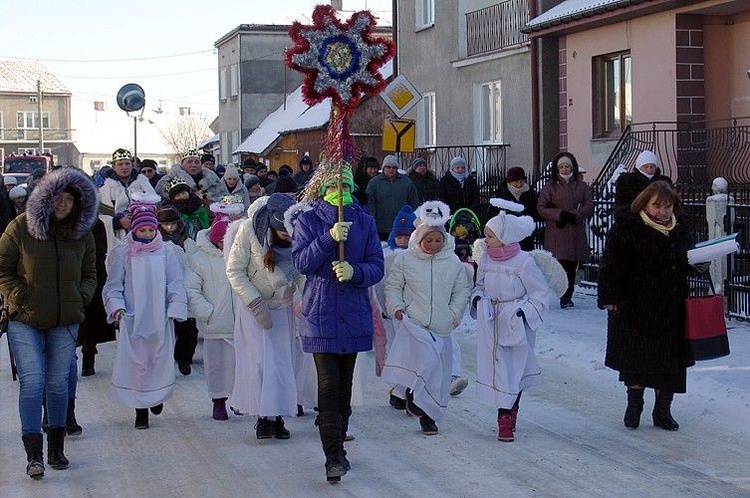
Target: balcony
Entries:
(496, 27)
(32, 134)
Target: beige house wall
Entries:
(727, 59)
(651, 42)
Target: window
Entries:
(612, 99)
(223, 83)
(426, 119)
(491, 112)
(235, 140)
(2, 130)
(425, 13)
(233, 81)
(27, 120)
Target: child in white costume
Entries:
(426, 292)
(263, 278)
(511, 300)
(210, 302)
(144, 293)
(398, 240)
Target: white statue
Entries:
(716, 210)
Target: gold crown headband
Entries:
(191, 153)
(122, 155)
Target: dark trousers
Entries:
(335, 372)
(570, 268)
(186, 340)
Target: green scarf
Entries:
(332, 198)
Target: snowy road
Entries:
(570, 439)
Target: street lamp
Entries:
(132, 98)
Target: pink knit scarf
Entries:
(134, 247)
(503, 253)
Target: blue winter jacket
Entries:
(336, 316)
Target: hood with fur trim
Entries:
(40, 206)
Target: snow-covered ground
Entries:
(570, 439)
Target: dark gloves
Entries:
(702, 267)
(567, 217)
(475, 301)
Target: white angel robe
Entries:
(264, 383)
(150, 289)
(506, 363)
(421, 361)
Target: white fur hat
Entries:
(646, 157)
(431, 217)
(509, 228)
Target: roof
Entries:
(573, 10)
(20, 76)
(295, 116)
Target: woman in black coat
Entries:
(643, 285)
(458, 188)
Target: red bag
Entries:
(705, 327)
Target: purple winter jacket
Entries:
(336, 316)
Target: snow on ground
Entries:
(570, 439)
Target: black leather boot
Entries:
(87, 365)
(55, 447)
(635, 408)
(34, 446)
(662, 413)
(71, 424)
(331, 435)
(141, 418)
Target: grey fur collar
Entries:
(40, 208)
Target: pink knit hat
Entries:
(218, 229)
(144, 218)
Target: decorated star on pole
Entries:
(340, 60)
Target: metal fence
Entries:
(486, 162)
(693, 154)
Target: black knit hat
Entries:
(207, 158)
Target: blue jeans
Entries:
(43, 359)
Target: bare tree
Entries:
(186, 133)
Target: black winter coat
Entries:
(629, 185)
(644, 273)
(459, 196)
(95, 329)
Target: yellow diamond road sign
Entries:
(400, 95)
(398, 135)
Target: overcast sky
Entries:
(166, 46)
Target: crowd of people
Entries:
(285, 294)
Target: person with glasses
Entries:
(150, 170)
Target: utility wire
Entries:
(109, 60)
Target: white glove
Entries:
(259, 307)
